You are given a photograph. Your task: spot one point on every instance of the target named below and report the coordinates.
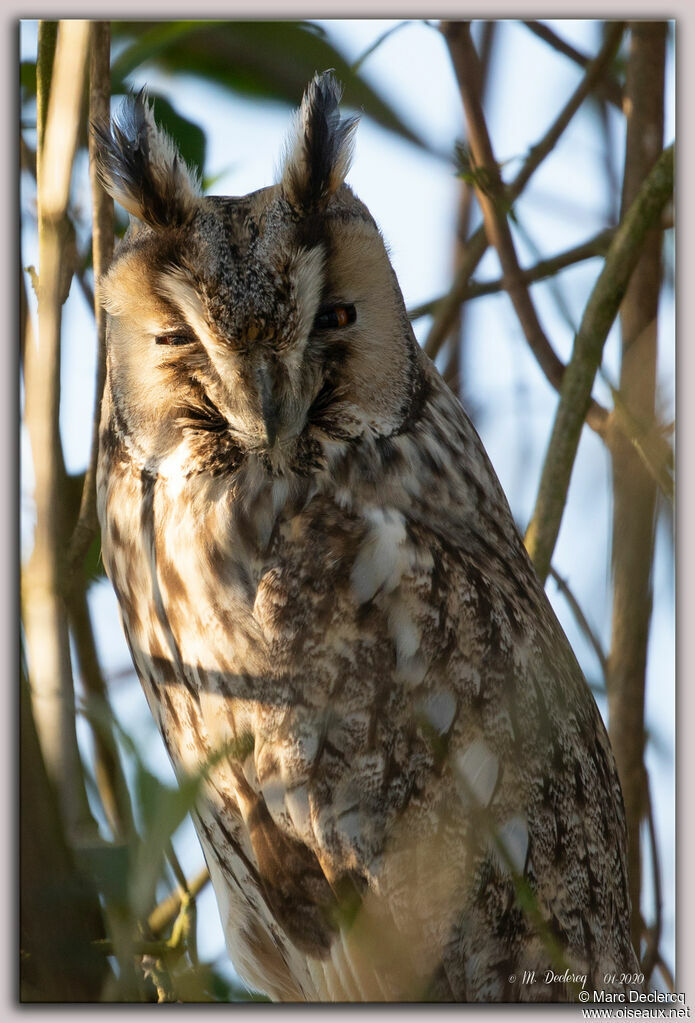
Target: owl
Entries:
(408, 792)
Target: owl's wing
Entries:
(431, 802)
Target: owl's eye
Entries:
(175, 338)
(332, 317)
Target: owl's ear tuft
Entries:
(139, 165)
(320, 147)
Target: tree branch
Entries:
(590, 249)
(610, 87)
(456, 340)
(634, 492)
(108, 771)
(666, 973)
(575, 394)
(581, 620)
(477, 244)
(651, 952)
(42, 584)
(102, 249)
(166, 912)
(495, 206)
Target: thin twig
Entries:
(651, 952)
(354, 67)
(544, 268)
(166, 912)
(665, 972)
(648, 437)
(456, 341)
(610, 87)
(188, 905)
(155, 949)
(176, 867)
(494, 204)
(108, 771)
(477, 244)
(102, 248)
(110, 779)
(28, 161)
(581, 619)
(575, 394)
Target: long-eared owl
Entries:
(411, 794)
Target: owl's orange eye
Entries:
(335, 316)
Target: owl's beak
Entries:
(269, 410)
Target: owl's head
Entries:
(262, 316)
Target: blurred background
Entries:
(225, 92)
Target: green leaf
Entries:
(163, 810)
(109, 866)
(265, 59)
(93, 566)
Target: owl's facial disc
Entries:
(256, 340)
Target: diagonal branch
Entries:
(544, 268)
(456, 342)
(495, 207)
(477, 244)
(610, 87)
(575, 394)
(167, 911)
(495, 200)
(581, 620)
(108, 770)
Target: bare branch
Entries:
(357, 64)
(634, 492)
(494, 204)
(596, 246)
(609, 87)
(581, 619)
(477, 244)
(490, 189)
(102, 248)
(452, 368)
(108, 771)
(43, 608)
(666, 973)
(167, 911)
(575, 394)
(650, 957)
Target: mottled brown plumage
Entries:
(319, 573)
